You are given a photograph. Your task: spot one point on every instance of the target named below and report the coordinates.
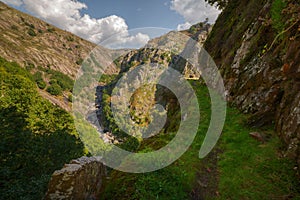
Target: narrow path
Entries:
(64, 104)
(207, 178)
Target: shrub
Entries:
(54, 89)
(64, 81)
(41, 84)
(51, 30)
(31, 32)
(39, 80)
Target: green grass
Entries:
(247, 169)
(276, 15)
(250, 169)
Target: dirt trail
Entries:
(206, 183)
(63, 104)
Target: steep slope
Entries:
(256, 45)
(54, 56)
(36, 137)
(164, 51)
(28, 40)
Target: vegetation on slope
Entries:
(26, 39)
(245, 168)
(36, 137)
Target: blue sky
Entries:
(97, 20)
(137, 13)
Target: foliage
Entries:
(31, 32)
(64, 81)
(105, 78)
(30, 25)
(14, 68)
(54, 89)
(70, 38)
(36, 137)
(51, 30)
(276, 15)
(38, 77)
(29, 66)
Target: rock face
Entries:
(81, 179)
(260, 64)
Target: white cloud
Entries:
(66, 15)
(184, 26)
(13, 2)
(194, 11)
(126, 41)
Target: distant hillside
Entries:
(28, 40)
(52, 55)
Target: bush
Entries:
(41, 84)
(39, 80)
(31, 32)
(54, 89)
(51, 30)
(70, 39)
(64, 81)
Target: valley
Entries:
(55, 109)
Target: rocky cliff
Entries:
(164, 51)
(256, 46)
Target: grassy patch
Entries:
(276, 15)
(250, 169)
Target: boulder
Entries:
(81, 179)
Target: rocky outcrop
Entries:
(260, 64)
(164, 51)
(81, 179)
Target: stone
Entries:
(81, 179)
(258, 136)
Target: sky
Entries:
(98, 20)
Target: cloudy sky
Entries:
(97, 20)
